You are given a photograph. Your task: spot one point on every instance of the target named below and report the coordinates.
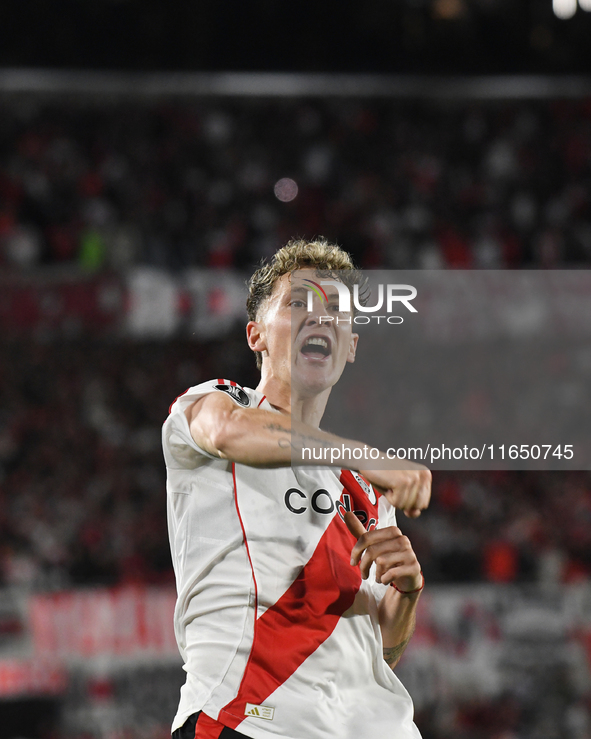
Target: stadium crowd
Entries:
(401, 185)
(82, 484)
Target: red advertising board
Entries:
(121, 622)
(33, 677)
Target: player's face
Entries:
(309, 348)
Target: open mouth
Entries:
(316, 347)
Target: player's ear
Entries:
(255, 336)
(352, 347)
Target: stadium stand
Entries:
(98, 190)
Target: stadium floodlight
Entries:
(564, 9)
(585, 5)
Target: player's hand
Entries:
(391, 551)
(407, 490)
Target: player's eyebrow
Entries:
(300, 290)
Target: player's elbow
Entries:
(225, 433)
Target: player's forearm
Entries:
(397, 614)
(279, 440)
(261, 438)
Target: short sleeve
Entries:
(178, 444)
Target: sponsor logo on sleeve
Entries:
(366, 487)
(236, 393)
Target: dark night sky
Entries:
(388, 36)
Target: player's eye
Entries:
(297, 304)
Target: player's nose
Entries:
(319, 313)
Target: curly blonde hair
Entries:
(329, 260)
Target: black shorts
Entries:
(188, 729)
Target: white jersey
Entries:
(278, 632)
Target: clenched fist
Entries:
(408, 490)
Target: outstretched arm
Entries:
(262, 438)
(396, 563)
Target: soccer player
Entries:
(296, 590)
